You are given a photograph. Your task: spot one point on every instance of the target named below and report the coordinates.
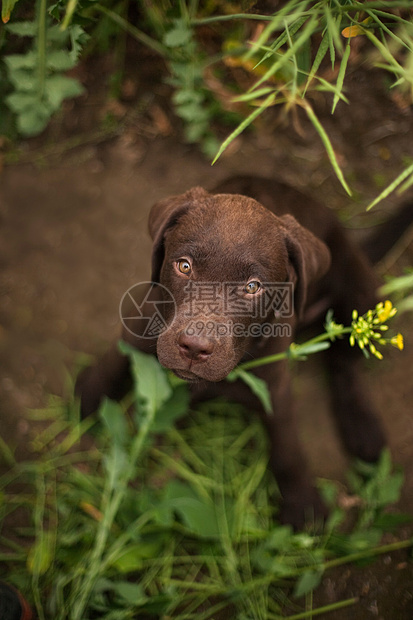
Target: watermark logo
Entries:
(145, 309)
(224, 299)
(217, 329)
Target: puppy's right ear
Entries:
(163, 216)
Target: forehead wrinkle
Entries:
(230, 234)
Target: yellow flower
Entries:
(385, 311)
(367, 330)
(397, 341)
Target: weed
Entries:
(367, 331)
(152, 519)
(37, 76)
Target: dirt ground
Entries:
(73, 239)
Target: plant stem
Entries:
(270, 359)
(323, 610)
(361, 555)
(135, 32)
(224, 18)
(41, 46)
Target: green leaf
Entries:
(388, 491)
(179, 35)
(20, 102)
(198, 514)
(300, 351)
(134, 556)
(385, 465)
(114, 419)
(257, 386)
(329, 491)
(361, 541)
(116, 464)
(23, 79)
(192, 112)
(60, 60)
(21, 61)
(174, 408)
(280, 537)
(41, 554)
(6, 8)
(307, 582)
(132, 593)
(56, 35)
(280, 567)
(183, 96)
(78, 39)
(60, 87)
(389, 522)
(23, 29)
(151, 382)
(31, 122)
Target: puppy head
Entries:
(226, 260)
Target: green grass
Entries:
(151, 520)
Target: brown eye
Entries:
(252, 287)
(184, 266)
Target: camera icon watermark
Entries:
(146, 309)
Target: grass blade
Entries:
(321, 52)
(390, 188)
(341, 75)
(382, 26)
(385, 52)
(327, 144)
(306, 34)
(333, 33)
(283, 38)
(289, 11)
(245, 123)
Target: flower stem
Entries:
(270, 359)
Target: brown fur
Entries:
(256, 229)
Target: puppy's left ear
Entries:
(163, 216)
(309, 259)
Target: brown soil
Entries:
(73, 239)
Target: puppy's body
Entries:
(222, 256)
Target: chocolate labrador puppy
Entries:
(236, 272)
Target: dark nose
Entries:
(196, 348)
